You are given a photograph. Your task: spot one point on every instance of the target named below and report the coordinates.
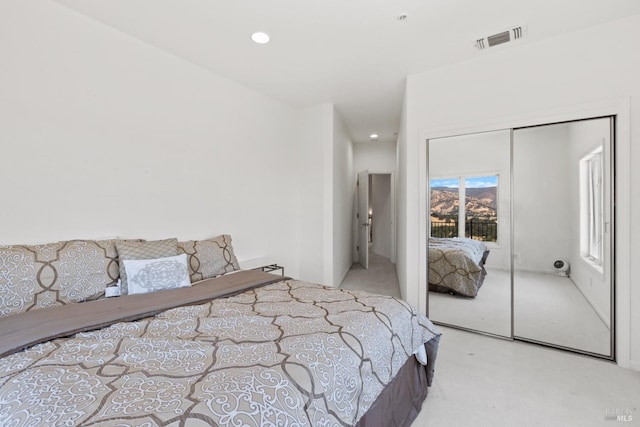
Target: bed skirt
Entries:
(401, 401)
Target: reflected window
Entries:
(465, 206)
(591, 207)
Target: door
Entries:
(469, 201)
(363, 219)
(562, 235)
(547, 275)
(380, 224)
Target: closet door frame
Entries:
(612, 238)
(621, 264)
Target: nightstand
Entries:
(263, 264)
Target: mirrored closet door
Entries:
(562, 239)
(521, 234)
(469, 255)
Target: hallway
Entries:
(380, 278)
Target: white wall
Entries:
(542, 198)
(343, 195)
(327, 190)
(520, 83)
(314, 224)
(479, 154)
(103, 135)
(407, 263)
(374, 156)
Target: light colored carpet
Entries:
(483, 381)
(548, 308)
(551, 309)
(489, 311)
(380, 278)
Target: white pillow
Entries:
(150, 275)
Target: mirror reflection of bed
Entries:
(472, 172)
(489, 311)
(550, 187)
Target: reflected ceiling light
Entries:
(260, 37)
(373, 136)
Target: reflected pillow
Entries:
(150, 275)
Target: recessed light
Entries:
(260, 37)
(373, 136)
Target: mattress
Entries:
(248, 348)
(456, 265)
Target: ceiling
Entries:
(352, 53)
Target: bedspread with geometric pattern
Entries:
(288, 353)
(456, 265)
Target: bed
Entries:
(247, 348)
(456, 265)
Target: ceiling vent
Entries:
(506, 36)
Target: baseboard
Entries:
(497, 268)
(595, 307)
(522, 270)
(634, 366)
(342, 277)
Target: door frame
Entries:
(363, 227)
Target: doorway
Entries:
(374, 267)
(375, 217)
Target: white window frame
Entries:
(462, 196)
(592, 220)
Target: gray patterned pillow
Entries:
(143, 250)
(40, 276)
(209, 258)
